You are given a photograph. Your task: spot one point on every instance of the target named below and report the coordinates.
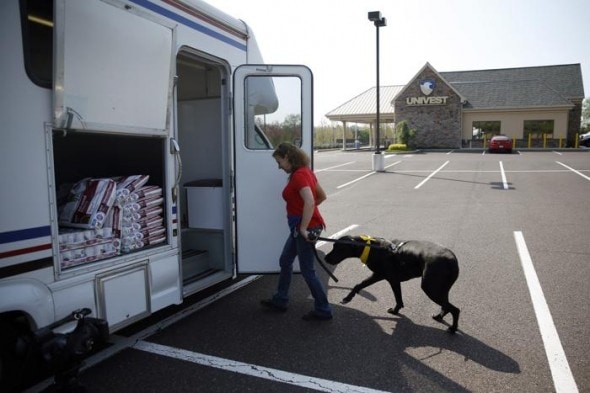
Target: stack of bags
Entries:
(77, 247)
(85, 236)
(101, 218)
(137, 215)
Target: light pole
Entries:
(378, 21)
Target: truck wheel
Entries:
(16, 357)
(9, 363)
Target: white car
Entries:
(585, 139)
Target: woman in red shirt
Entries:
(302, 195)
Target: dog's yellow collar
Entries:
(365, 254)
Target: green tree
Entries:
(586, 115)
(404, 133)
(326, 134)
(292, 122)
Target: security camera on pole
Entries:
(378, 21)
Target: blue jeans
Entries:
(298, 246)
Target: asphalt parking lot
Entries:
(519, 225)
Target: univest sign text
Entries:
(442, 100)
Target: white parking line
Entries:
(272, 374)
(335, 166)
(503, 176)
(119, 343)
(432, 174)
(365, 176)
(337, 235)
(355, 180)
(563, 380)
(390, 165)
(573, 170)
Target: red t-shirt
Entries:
(302, 177)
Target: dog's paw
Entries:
(394, 311)
(452, 330)
(438, 318)
(345, 300)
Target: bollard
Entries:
(544, 141)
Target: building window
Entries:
(485, 128)
(37, 29)
(537, 128)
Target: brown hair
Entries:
(296, 156)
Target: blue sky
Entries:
(337, 41)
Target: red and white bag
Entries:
(88, 203)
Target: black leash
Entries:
(315, 251)
(315, 236)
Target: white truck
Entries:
(136, 145)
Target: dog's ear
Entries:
(385, 243)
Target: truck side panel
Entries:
(24, 203)
(117, 120)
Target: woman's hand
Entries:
(308, 207)
(306, 235)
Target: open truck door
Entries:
(272, 104)
(101, 68)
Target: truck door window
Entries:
(273, 111)
(37, 30)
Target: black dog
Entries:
(401, 261)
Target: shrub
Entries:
(397, 147)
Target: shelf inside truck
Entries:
(205, 203)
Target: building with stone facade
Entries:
(461, 109)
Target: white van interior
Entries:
(204, 202)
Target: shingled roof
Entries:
(510, 94)
(526, 87)
(564, 79)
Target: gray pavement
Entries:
(474, 205)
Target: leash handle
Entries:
(314, 235)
